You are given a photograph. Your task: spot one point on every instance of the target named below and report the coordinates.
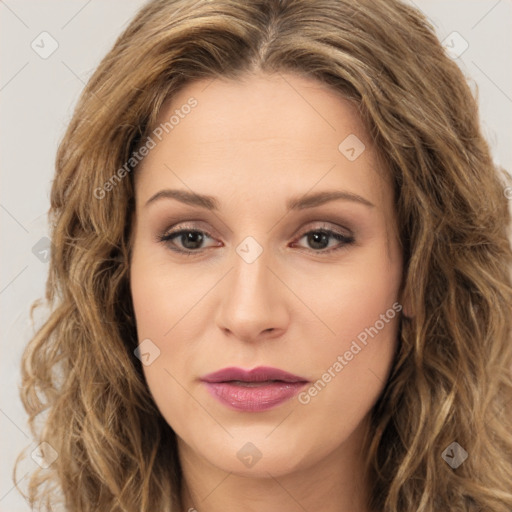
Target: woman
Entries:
(282, 274)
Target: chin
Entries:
(276, 463)
(252, 452)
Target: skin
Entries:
(253, 144)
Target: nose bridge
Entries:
(251, 303)
(250, 278)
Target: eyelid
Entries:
(192, 226)
(326, 226)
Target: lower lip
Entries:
(255, 398)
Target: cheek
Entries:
(167, 304)
(352, 295)
(161, 300)
(162, 293)
(352, 363)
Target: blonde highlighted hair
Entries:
(451, 380)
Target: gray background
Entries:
(37, 96)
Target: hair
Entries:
(451, 377)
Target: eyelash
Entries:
(166, 238)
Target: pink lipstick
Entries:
(253, 390)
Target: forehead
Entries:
(250, 101)
(261, 135)
(264, 108)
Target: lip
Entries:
(255, 390)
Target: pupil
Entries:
(314, 240)
(189, 237)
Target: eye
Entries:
(318, 239)
(191, 240)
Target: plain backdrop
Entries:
(37, 95)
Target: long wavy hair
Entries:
(451, 378)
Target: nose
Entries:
(253, 304)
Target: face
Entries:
(290, 266)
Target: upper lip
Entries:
(259, 374)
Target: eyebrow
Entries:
(294, 203)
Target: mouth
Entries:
(253, 390)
